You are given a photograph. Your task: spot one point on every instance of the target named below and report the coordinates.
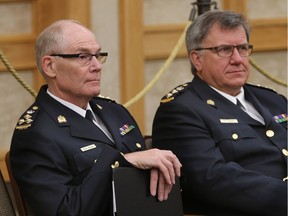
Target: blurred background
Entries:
(139, 37)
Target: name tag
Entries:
(89, 147)
(229, 121)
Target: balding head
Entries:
(53, 39)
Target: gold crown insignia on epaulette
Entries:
(107, 98)
(263, 87)
(26, 120)
(173, 93)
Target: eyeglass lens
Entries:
(227, 50)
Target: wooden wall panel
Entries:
(19, 49)
(131, 56)
(160, 40)
(269, 34)
(266, 35)
(239, 6)
(52, 10)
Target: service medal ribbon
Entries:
(125, 129)
(281, 118)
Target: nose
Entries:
(236, 57)
(95, 63)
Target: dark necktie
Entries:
(89, 116)
(100, 125)
(240, 105)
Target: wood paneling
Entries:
(131, 56)
(239, 6)
(3, 165)
(137, 42)
(266, 35)
(52, 10)
(19, 49)
(160, 40)
(269, 34)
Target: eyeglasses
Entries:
(226, 51)
(85, 58)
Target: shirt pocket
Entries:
(87, 157)
(133, 142)
(232, 139)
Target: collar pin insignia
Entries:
(61, 119)
(210, 102)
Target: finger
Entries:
(153, 181)
(168, 169)
(177, 165)
(161, 192)
(167, 190)
(167, 172)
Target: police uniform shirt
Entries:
(96, 120)
(247, 106)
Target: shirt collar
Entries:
(71, 106)
(233, 99)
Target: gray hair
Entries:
(51, 40)
(200, 28)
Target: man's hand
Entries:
(164, 166)
(157, 179)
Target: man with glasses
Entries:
(62, 161)
(230, 136)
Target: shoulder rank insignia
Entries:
(263, 87)
(27, 118)
(106, 98)
(173, 93)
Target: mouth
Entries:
(236, 72)
(93, 82)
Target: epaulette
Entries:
(174, 92)
(263, 87)
(27, 118)
(106, 98)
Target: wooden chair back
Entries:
(22, 207)
(6, 205)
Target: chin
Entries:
(93, 92)
(96, 94)
(238, 81)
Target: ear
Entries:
(195, 58)
(48, 64)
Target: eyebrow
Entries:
(86, 50)
(233, 45)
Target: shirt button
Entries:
(138, 145)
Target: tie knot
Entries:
(89, 115)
